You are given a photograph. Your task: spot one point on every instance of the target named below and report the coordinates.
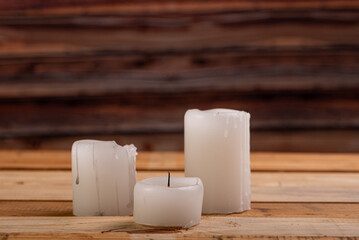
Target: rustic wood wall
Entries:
(128, 70)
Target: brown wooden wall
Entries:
(128, 70)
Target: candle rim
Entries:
(198, 183)
(97, 141)
(220, 111)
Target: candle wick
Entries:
(169, 179)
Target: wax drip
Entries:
(97, 181)
(189, 224)
(131, 153)
(77, 165)
(118, 203)
(242, 158)
(248, 170)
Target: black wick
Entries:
(169, 179)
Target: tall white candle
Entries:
(217, 151)
(179, 205)
(103, 178)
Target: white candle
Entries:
(217, 151)
(103, 178)
(179, 205)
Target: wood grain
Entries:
(267, 80)
(35, 208)
(174, 161)
(211, 226)
(71, 66)
(266, 187)
(258, 209)
(38, 236)
(33, 41)
(323, 141)
(174, 6)
(315, 162)
(141, 116)
(51, 159)
(143, 141)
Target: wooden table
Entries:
(293, 195)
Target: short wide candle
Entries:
(217, 151)
(180, 205)
(103, 178)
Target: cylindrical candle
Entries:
(103, 178)
(217, 151)
(179, 205)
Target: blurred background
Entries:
(129, 70)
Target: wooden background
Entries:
(128, 70)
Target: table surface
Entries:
(293, 195)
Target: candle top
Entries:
(131, 149)
(177, 183)
(95, 141)
(219, 112)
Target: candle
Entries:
(103, 178)
(174, 202)
(217, 151)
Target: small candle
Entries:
(174, 202)
(217, 151)
(103, 178)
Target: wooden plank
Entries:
(324, 141)
(302, 210)
(50, 118)
(316, 162)
(60, 160)
(210, 226)
(270, 80)
(164, 235)
(22, 42)
(259, 209)
(272, 65)
(305, 187)
(266, 187)
(35, 208)
(120, 32)
(177, 33)
(174, 161)
(143, 141)
(162, 20)
(36, 7)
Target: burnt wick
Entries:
(169, 179)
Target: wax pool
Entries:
(217, 151)
(179, 205)
(103, 178)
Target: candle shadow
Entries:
(226, 214)
(134, 228)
